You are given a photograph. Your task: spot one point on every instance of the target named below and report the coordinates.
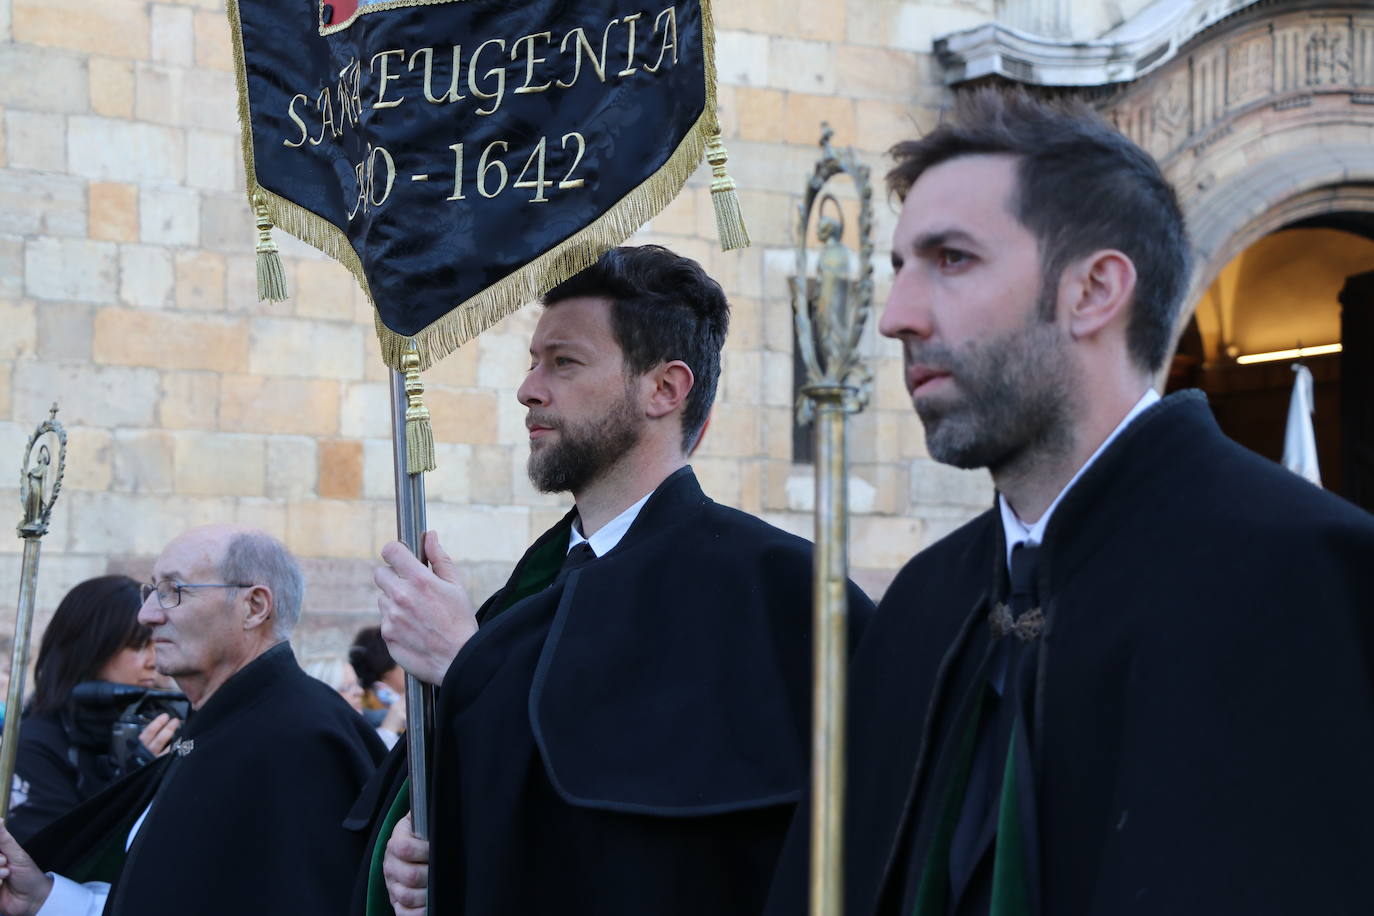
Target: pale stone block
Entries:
(11, 265)
(801, 491)
(169, 340)
(481, 533)
(503, 361)
(210, 157)
(491, 470)
(261, 405)
(935, 484)
(918, 25)
(331, 528)
(109, 149)
(63, 331)
(159, 93)
(305, 349)
(451, 479)
(341, 469)
(883, 124)
(366, 411)
(105, 396)
(777, 425)
(169, 215)
(142, 461)
(889, 384)
(145, 276)
(6, 394)
(41, 80)
(379, 470)
(111, 87)
(883, 73)
(885, 542)
(764, 16)
(458, 369)
(20, 338)
(200, 280)
(227, 224)
(801, 66)
(799, 523)
(324, 289)
(911, 435)
(189, 400)
(70, 269)
(42, 203)
(217, 464)
(113, 211)
(742, 58)
(733, 433)
(679, 217)
(210, 100)
(292, 467)
(35, 139)
(266, 514)
(118, 28)
(779, 388)
(740, 377)
(459, 415)
(172, 39)
(806, 112)
(129, 524)
(213, 50)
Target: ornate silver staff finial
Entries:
(39, 483)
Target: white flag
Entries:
(1299, 440)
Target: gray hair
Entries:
(260, 559)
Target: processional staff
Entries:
(39, 484)
(831, 311)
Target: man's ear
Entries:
(670, 384)
(1098, 290)
(259, 606)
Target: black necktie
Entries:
(1022, 572)
(578, 557)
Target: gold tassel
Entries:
(271, 275)
(419, 433)
(729, 219)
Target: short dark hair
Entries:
(370, 657)
(663, 307)
(95, 620)
(1081, 187)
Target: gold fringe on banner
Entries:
(469, 318)
(419, 433)
(271, 275)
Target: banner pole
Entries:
(410, 530)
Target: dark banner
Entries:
(463, 156)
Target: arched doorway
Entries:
(1290, 290)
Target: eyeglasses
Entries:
(169, 592)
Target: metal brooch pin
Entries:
(182, 748)
(1026, 627)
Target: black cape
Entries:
(247, 821)
(633, 737)
(1203, 726)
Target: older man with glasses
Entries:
(245, 815)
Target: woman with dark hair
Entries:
(66, 753)
(383, 683)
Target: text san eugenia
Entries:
(483, 75)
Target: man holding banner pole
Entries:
(621, 729)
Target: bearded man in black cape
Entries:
(245, 814)
(1140, 683)
(626, 731)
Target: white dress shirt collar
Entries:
(609, 534)
(1017, 531)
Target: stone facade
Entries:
(127, 294)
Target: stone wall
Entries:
(127, 294)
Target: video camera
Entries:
(140, 705)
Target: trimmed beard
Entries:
(584, 451)
(1011, 397)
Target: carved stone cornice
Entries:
(1143, 43)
